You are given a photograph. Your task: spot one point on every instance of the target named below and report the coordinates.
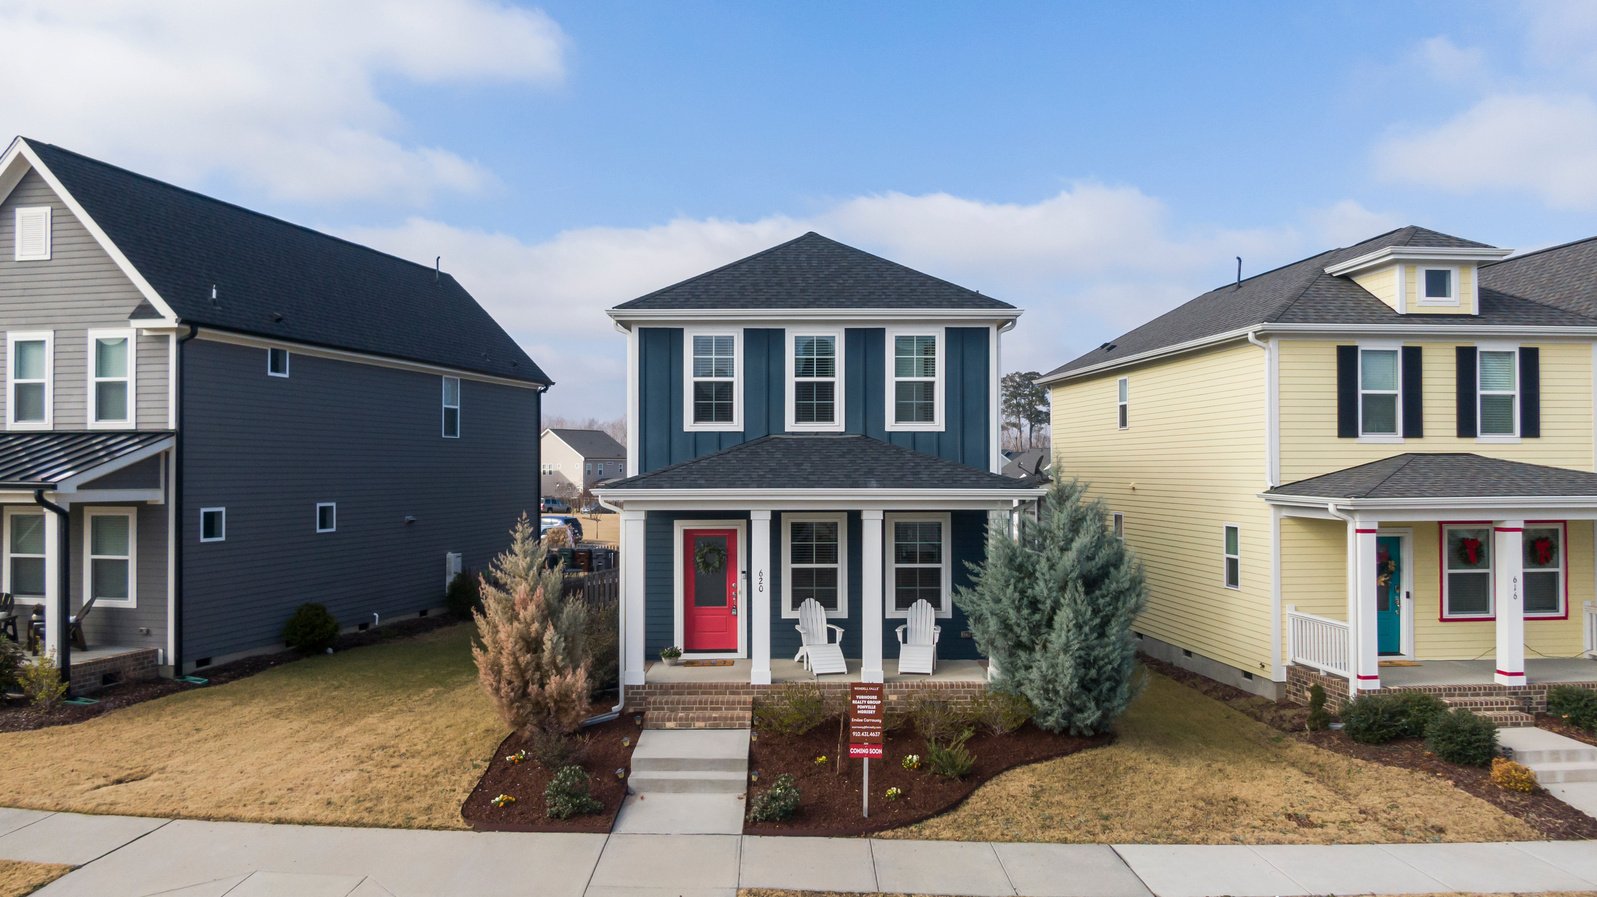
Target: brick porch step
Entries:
(699, 711)
(1508, 719)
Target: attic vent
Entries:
(33, 234)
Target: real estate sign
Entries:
(865, 720)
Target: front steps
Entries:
(687, 782)
(1556, 759)
(708, 708)
(1505, 711)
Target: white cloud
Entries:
(281, 95)
(1346, 222)
(1449, 63)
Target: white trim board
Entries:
(211, 334)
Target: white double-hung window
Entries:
(1467, 584)
(813, 566)
(25, 558)
(915, 380)
(111, 366)
(1544, 570)
(109, 566)
(713, 382)
(451, 408)
(814, 382)
(1380, 380)
(1498, 383)
(30, 359)
(918, 563)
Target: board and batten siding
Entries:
(1191, 461)
(367, 437)
(1310, 447)
(78, 289)
(967, 383)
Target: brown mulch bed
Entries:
(525, 781)
(1560, 725)
(1546, 814)
(17, 715)
(830, 792)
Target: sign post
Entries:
(865, 731)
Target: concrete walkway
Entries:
(1565, 767)
(124, 856)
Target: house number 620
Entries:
(759, 582)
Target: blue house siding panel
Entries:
(366, 437)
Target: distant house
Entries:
(574, 461)
(212, 416)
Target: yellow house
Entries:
(1372, 467)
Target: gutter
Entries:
(177, 508)
(63, 598)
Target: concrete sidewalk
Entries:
(123, 856)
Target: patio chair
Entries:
(819, 653)
(8, 616)
(917, 651)
(75, 632)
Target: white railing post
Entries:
(1591, 629)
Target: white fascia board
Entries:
(260, 342)
(816, 499)
(1203, 342)
(20, 149)
(1417, 254)
(1582, 504)
(857, 317)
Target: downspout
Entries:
(177, 508)
(63, 598)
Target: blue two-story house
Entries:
(811, 422)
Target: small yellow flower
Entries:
(517, 757)
(895, 793)
(503, 800)
(911, 761)
(821, 760)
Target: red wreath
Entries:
(1542, 550)
(1470, 551)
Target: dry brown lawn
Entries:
(775, 892)
(18, 879)
(390, 735)
(1186, 769)
(601, 527)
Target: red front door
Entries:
(709, 590)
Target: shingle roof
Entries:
(1027, 463)
(38, 460)
(812, 272)
(1302, 293)
(851, 463)
(590, 443)
(281, 280)
(1562, 276)
(1445, 475)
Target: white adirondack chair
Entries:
(819, 653)
(917, 651)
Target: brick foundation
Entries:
(89, 676)
(1530, 698)
(1299, 679)
(689, 705)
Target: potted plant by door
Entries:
(672, 655)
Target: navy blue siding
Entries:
(966, 391)
(366, 437)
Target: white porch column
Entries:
(871, 609)
(1361, 616)
(759, 597)
(633, 570)
(56, 628)
(1508, 559)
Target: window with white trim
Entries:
(814, 563)
(326, 517)
(712, 370)
(1119, 525)
(1380, 380)
(213, 524)
(451, 407)
(587, 469)
(600, 471)
(918, 563)
(1233, 556)
(814, 388)
(1498, 386)
(29, 400)
(915, 368)
(111, 366)
(1544, 570)
(548, 469)
(1123, 402)
(25, 558)
(32, 234)
(1439, 286)
(109, 568)
(276, 361)
(1467, 572)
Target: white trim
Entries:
(1451, 299)
(381, 361)
(789, 611)
(890, 565)
(1272, 412)
(132, 515)
(129, 380)
(1390, 254)
(1400, 278)
(288, 358)
(679, 596)
(23, 212)
(1123, 403)
(858, 317)
(816, 499)
(11, 512)
(445, 407)
(171, 384)
(633, 436)
(939, 337)
(995, 401)
(1117, 525)
(1490, 570)
(790, 358)
(1481, 349)
(1225, 572)
(333, 506)
(25, 336)
(736, 423)
(1396, 393)
(223, 513)
(71, 484)
(1405, 644)
(1277, 661)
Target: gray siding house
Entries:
(212, 416)
(575, 461)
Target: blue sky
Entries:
(1095, 164)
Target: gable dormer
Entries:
(1422, 272)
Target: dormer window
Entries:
(1439, 286)
(814, 385)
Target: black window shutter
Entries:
(1413, 393)
(1347, 392)
(1467, 427)
(1530, 392)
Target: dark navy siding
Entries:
(367, 437)
(966, 383)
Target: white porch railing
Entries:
(1319, 642)
(1591, 629)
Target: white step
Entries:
(1548, 773)
(689, 764)
(687, 781)
(1534, 756)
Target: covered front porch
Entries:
(1538, 671)
(784, 671)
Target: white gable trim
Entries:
(11, 174)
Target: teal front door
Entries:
(1389, 577)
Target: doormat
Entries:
(1400, 663)
(706, 663)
